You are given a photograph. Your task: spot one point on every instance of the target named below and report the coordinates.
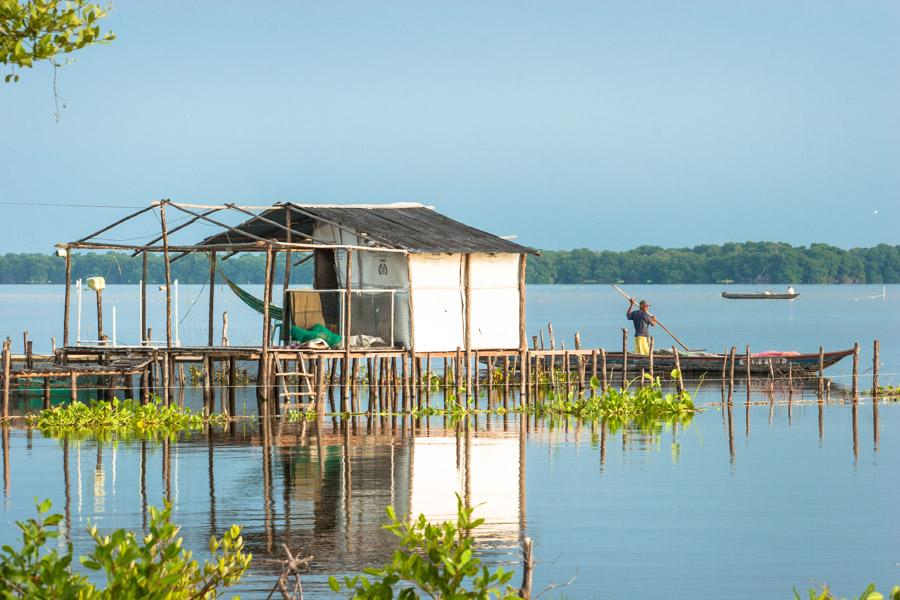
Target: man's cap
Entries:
(644, 303)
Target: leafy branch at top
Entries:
(36, 30)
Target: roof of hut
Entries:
(410, 227)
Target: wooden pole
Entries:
(166, 381)
(876, 347)
(46, 393)
(7, 364)
(467, 325)
(747, 369)
(679, 381)
(856, 372)
(73, 387)
(523, 338)
(731, 377)
(144, 275)
(650, 356)
(100, 315)
(624, 358)
(345, 392)
(232, 385)
(594, 356)
(320, 390)
(604, 381)
(68, 297)
(212, 297)
(264, 390)
(168, 269)
(725, 371)
(821, 372)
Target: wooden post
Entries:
(207, 386)
(166, 382)
(821, 372)
(856, 372)
(7, 364)
(68, 297)
(680, 379)
(168, 269)
(345, 392)
(650, 357)
(287, 320)
(320, 389)
(604, 382)
(144, 275)
(232, 385)
(725, 371)
(99, 294)
(747, 369)
(46, 393)
(427, 380)
(624, 358)
(594, 355)
(73, 387)
(731, 377)
(212, 297)
(551, 336)
(263, 387)
(523, 338)
(405, 383)
(467, 325)
(225, 328)
(876, 346)
(566, 368)
(457, 372)
(29, 354)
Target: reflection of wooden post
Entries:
(212, 296)
(68, 297)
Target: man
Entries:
(642, 321)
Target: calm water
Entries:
(798, 493)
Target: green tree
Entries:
(36, 30)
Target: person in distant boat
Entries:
(790, 289)
(642, 321)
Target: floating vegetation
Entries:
(870, 593)
(644, 404)
(120, 417)
(889, 391)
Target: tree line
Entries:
(749, 262)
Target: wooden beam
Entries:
(523, 338)
(119, 222)
(336, 224)
(220, 224)
(144, 275)
(286, 228)
(178, 228)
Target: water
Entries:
(800, 493)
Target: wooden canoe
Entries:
(698, 363)
(759, 296)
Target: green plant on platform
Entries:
(121, 417)
(154, 567)
(434, 560)
(870, 593)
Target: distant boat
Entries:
(759, 296)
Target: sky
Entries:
(569, 124)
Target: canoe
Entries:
(759, 296)
(697, 363)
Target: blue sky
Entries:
(571, 124)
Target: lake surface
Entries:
(777, 495)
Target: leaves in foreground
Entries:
(155, 567)
(437, 560)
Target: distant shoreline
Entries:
(752, 263)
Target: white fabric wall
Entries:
(437, 300)
(494, 289)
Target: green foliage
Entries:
(122, 417)
(750, 262)
(437, 560)
(119, 268)
(35, 30)
(870, 593)
(644, 405)
(155, 567)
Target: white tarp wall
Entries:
(494, 290)
(437, 299)
(372, 270)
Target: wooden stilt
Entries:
(68, 297)
(856, 372)
(821, 372)
(46, 395)
(212, 296)
(348, 322)
(7, 368)
(144, 276)
(731, 376)
(624, 358)
(604, 382)
(168, 271)
(876, 348)
(747, 369)
(232, 386)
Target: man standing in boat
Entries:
(642, 321)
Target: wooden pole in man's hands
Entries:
(664, 328)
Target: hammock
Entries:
(252, 301)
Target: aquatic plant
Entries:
(870, 593)
(434, 559)
(155, 566)
(644, 403)
(120, 416)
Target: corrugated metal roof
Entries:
(414, 228)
